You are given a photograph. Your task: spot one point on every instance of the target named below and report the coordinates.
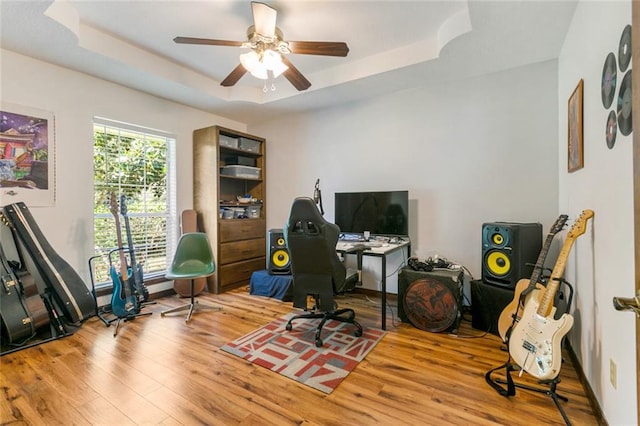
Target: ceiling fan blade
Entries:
(326, 48)
(234, 76)
(264, 19)
(294, 76)
(191, 40)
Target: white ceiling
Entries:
(394, 45)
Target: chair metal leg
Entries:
(176, 309)
(192, 307)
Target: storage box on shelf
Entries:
(253, 212)
(251, 145)
(229, 141)
(248, 212)
(246, 172)
(239, 160)
(228, 164)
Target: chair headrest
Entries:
(304, 211)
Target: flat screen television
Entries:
(381, 213)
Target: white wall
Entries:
(74, 99)
(601, 262)
(472, 151)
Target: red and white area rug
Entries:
(295, 355)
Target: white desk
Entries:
(378, 250)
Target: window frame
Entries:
(172, 220)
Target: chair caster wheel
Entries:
(319, 343)
(358, 333)
(288, 326)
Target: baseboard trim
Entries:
(591, 396)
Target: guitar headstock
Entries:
(580, 226)
(123, 205)
(559, 224)
(113, 204)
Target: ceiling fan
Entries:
(268, 49)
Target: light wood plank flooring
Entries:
(159, 370)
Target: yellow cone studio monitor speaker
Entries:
(278, 260)
(509, 251)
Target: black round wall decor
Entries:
(624, 49)
(612, 129)
(608, 83)
(624, 105)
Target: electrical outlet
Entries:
(613, 373)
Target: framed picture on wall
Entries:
(575, 144)
(27, 156)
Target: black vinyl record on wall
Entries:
(624, 105)
(609, 76)
(612, 129)
(624, 49)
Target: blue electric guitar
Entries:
(138, 276)
(123, 302)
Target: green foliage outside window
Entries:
(132, 164)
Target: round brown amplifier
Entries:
(430, 305)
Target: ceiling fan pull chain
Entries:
(273, 86)
(264, 88)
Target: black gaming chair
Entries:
(316, 268)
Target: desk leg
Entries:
(384, 292)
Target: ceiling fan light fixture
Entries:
(278, 69)
(260, 72)
(258, 64)
(253, 63)
(250, 60)
(273, 62)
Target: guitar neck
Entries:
(127, 228)
(537, 270)
(555, 228)
(546, 302)
(123, 261)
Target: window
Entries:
(137, 164)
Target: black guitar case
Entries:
(22, 311)
(69, 290)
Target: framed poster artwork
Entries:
(575, 144)
(27, 156)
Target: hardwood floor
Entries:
(159, 370)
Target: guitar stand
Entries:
(103, 311)
(551, 391)
(125, 319)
